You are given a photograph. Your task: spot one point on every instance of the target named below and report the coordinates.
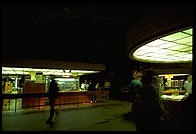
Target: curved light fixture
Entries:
(174, 48)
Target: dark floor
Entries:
(104, 116)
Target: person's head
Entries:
(52, 77)
(148, 76)
(90, 81)
(137, 74)
(85, 81)
(189, 78)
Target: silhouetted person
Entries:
(53, 94)
(148, 110)
(91, 87)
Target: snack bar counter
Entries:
(71, 97)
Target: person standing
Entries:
(134, 88)
(107, 85)
(85, 85)
(148, 108)
(97, 86)
(188, 84)
(91, 87)
(53, 94)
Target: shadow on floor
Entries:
(128, 116)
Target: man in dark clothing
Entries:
(91, 87)
(53, 94)
(148, 110)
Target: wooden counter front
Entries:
(70, 97)
(66, 97)
(33, 88)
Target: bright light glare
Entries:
(14, 70)
(175, 48)
(64, 79)
(83, 71)
(53, 73)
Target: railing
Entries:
(19, 101)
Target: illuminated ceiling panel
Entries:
(174, 48)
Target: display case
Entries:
(174, 87)
(68, 84)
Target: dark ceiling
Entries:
(88, 32)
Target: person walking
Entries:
(53, 94)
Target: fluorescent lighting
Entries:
(11, 72)
(50, 73)
(173, 75)
(184, 40)
(22, 73)
(189, 31)
(180, 74)
(175, 36)
(7, 68)
(66, 76)
(27, 69)
(167, 45)
(64, 79)
(4, 72)
(37, 70)
(154, 43)
(44, 70)
(173, 48)
(84, 71)
(14, 70)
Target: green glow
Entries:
(176, 36)
(189, 31)
(173, 48)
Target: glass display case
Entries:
(174, 87)
(67, 84)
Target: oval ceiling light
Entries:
(174, 48)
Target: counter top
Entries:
(174, 91)
(66, 91)
(173, 97)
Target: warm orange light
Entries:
(168, 76)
